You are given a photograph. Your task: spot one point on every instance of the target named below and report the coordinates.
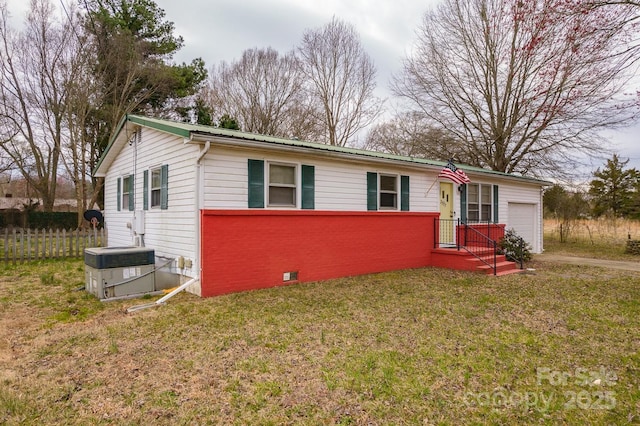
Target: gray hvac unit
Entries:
(112, 272)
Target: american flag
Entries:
(453, 173)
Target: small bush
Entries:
(633, 247)
(514, 247)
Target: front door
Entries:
(447, 224)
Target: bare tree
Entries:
(263, 91)
(34, 78)
(341, 77)
(411, 135)
(600, 3)
(79, 146)
(523, 86)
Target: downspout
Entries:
(203, 152)
(199, 204)
(164, 298)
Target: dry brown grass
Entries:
(602, 230)
(598, 238)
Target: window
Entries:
(479, 202)
(156, 187)
(127, 193)
(156, 192)
(382, 192)
(388, 192)
(282, 185)
(281, 181)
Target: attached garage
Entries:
(522, 220)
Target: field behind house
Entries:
(599, 238)
(556, 345)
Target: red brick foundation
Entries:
(252, 249)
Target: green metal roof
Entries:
(192, 131)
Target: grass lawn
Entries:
(560, 345)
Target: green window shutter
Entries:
(164, 187)
(372, 191)
(145, 190)
(308, 187)
(495, 204)
(132, 196)
(404, 193)
(256, 184)
(119, 193)
(463, 203)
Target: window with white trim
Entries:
(156, 187)
(479, 202)
(127, 184)
(388, 194)
(282, 185)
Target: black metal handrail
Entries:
(480, 242)
(472, 240)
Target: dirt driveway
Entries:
(573, 260)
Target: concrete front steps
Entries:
(462, 260)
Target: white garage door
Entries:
(523, 218)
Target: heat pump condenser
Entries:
(112, 272)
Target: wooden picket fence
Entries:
(24, 245)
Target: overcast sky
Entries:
(221, 30)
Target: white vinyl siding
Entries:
(339, 185)
(172, 232)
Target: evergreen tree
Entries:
(133, 46)
(613, 188)
(228, 122)
(564, 205)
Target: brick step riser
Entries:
(500, 267)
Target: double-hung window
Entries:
(275, 184)
(127, 192)
(480, 202)
(156, 187)
(388, 192)
(282, 185)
